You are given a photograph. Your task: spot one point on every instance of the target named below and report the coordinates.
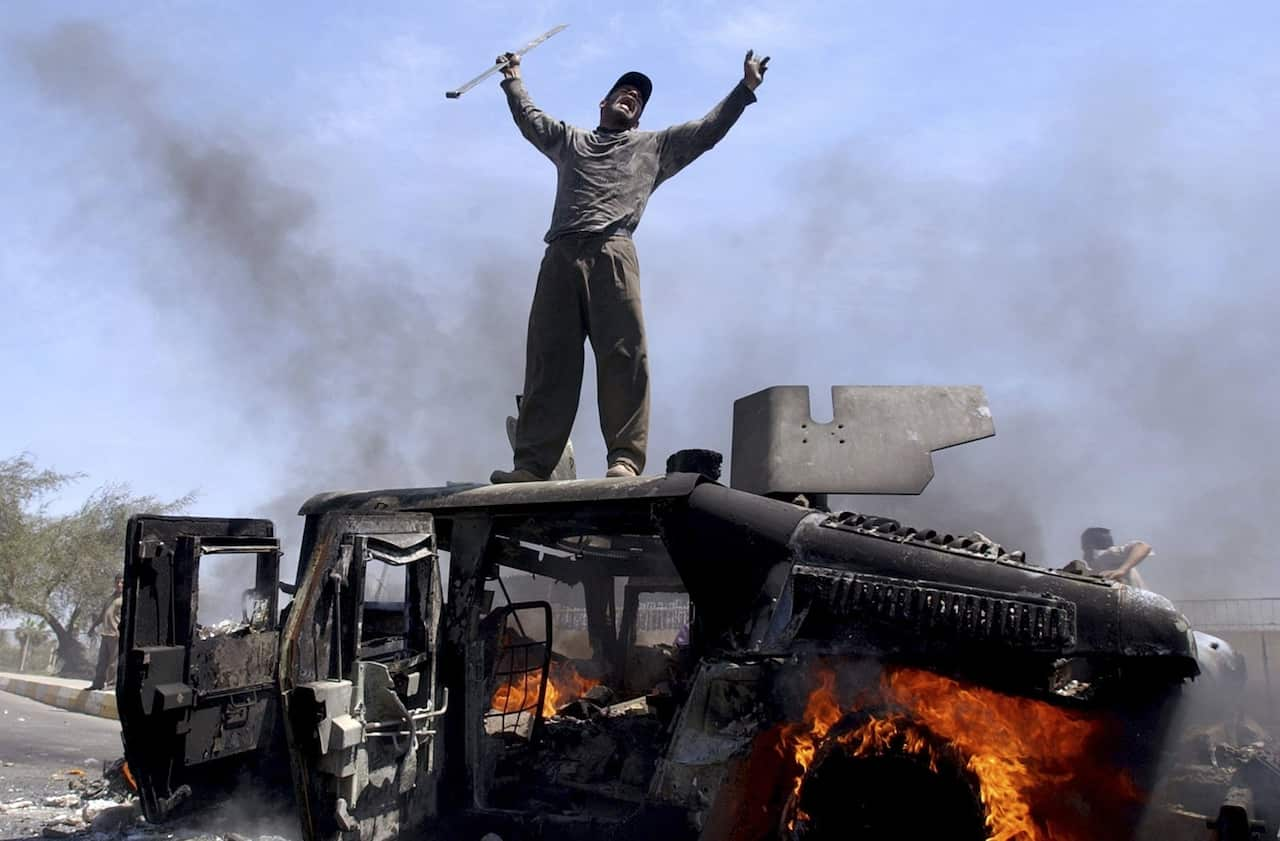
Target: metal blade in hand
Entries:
(454, 94)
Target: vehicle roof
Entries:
(516, 498)
(544, 513)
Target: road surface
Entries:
(39, 744)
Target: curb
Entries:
(101, 704)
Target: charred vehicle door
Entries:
(359, 676)
(197, 699)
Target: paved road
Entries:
(38, 745)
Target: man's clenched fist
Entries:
(511, 65)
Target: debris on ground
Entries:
(114, 784)
(94, 808)
(106, 808)
(63, 801)
(113, 818)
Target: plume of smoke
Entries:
(358, 362)
(1112, 286)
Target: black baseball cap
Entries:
(637, 80)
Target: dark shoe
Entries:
(504, 477)
(95, 687)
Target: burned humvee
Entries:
(471, 661)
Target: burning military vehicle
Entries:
(836, 674)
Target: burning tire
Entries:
(913, 749)
(884, 776)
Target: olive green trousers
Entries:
(588, 288)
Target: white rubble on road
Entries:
(117, 818)
(64, 801)
(96, 807)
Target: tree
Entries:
(59, 567)
(30, 632)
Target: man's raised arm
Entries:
(543, 132)
(681, 145)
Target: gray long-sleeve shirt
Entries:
(605, 178)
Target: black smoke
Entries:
(369, 371)
(1110, 283)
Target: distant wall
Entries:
(1251, 627)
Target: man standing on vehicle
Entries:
(589, 282)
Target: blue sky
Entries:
(1071, 204)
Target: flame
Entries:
(128, 776)
(1026, 755)
(517, 693)
(520, 692)
(566, 684)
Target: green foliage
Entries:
(31, 632)
(60, 567)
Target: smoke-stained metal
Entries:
(198, 705)
(879, 439)
(382, 705)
